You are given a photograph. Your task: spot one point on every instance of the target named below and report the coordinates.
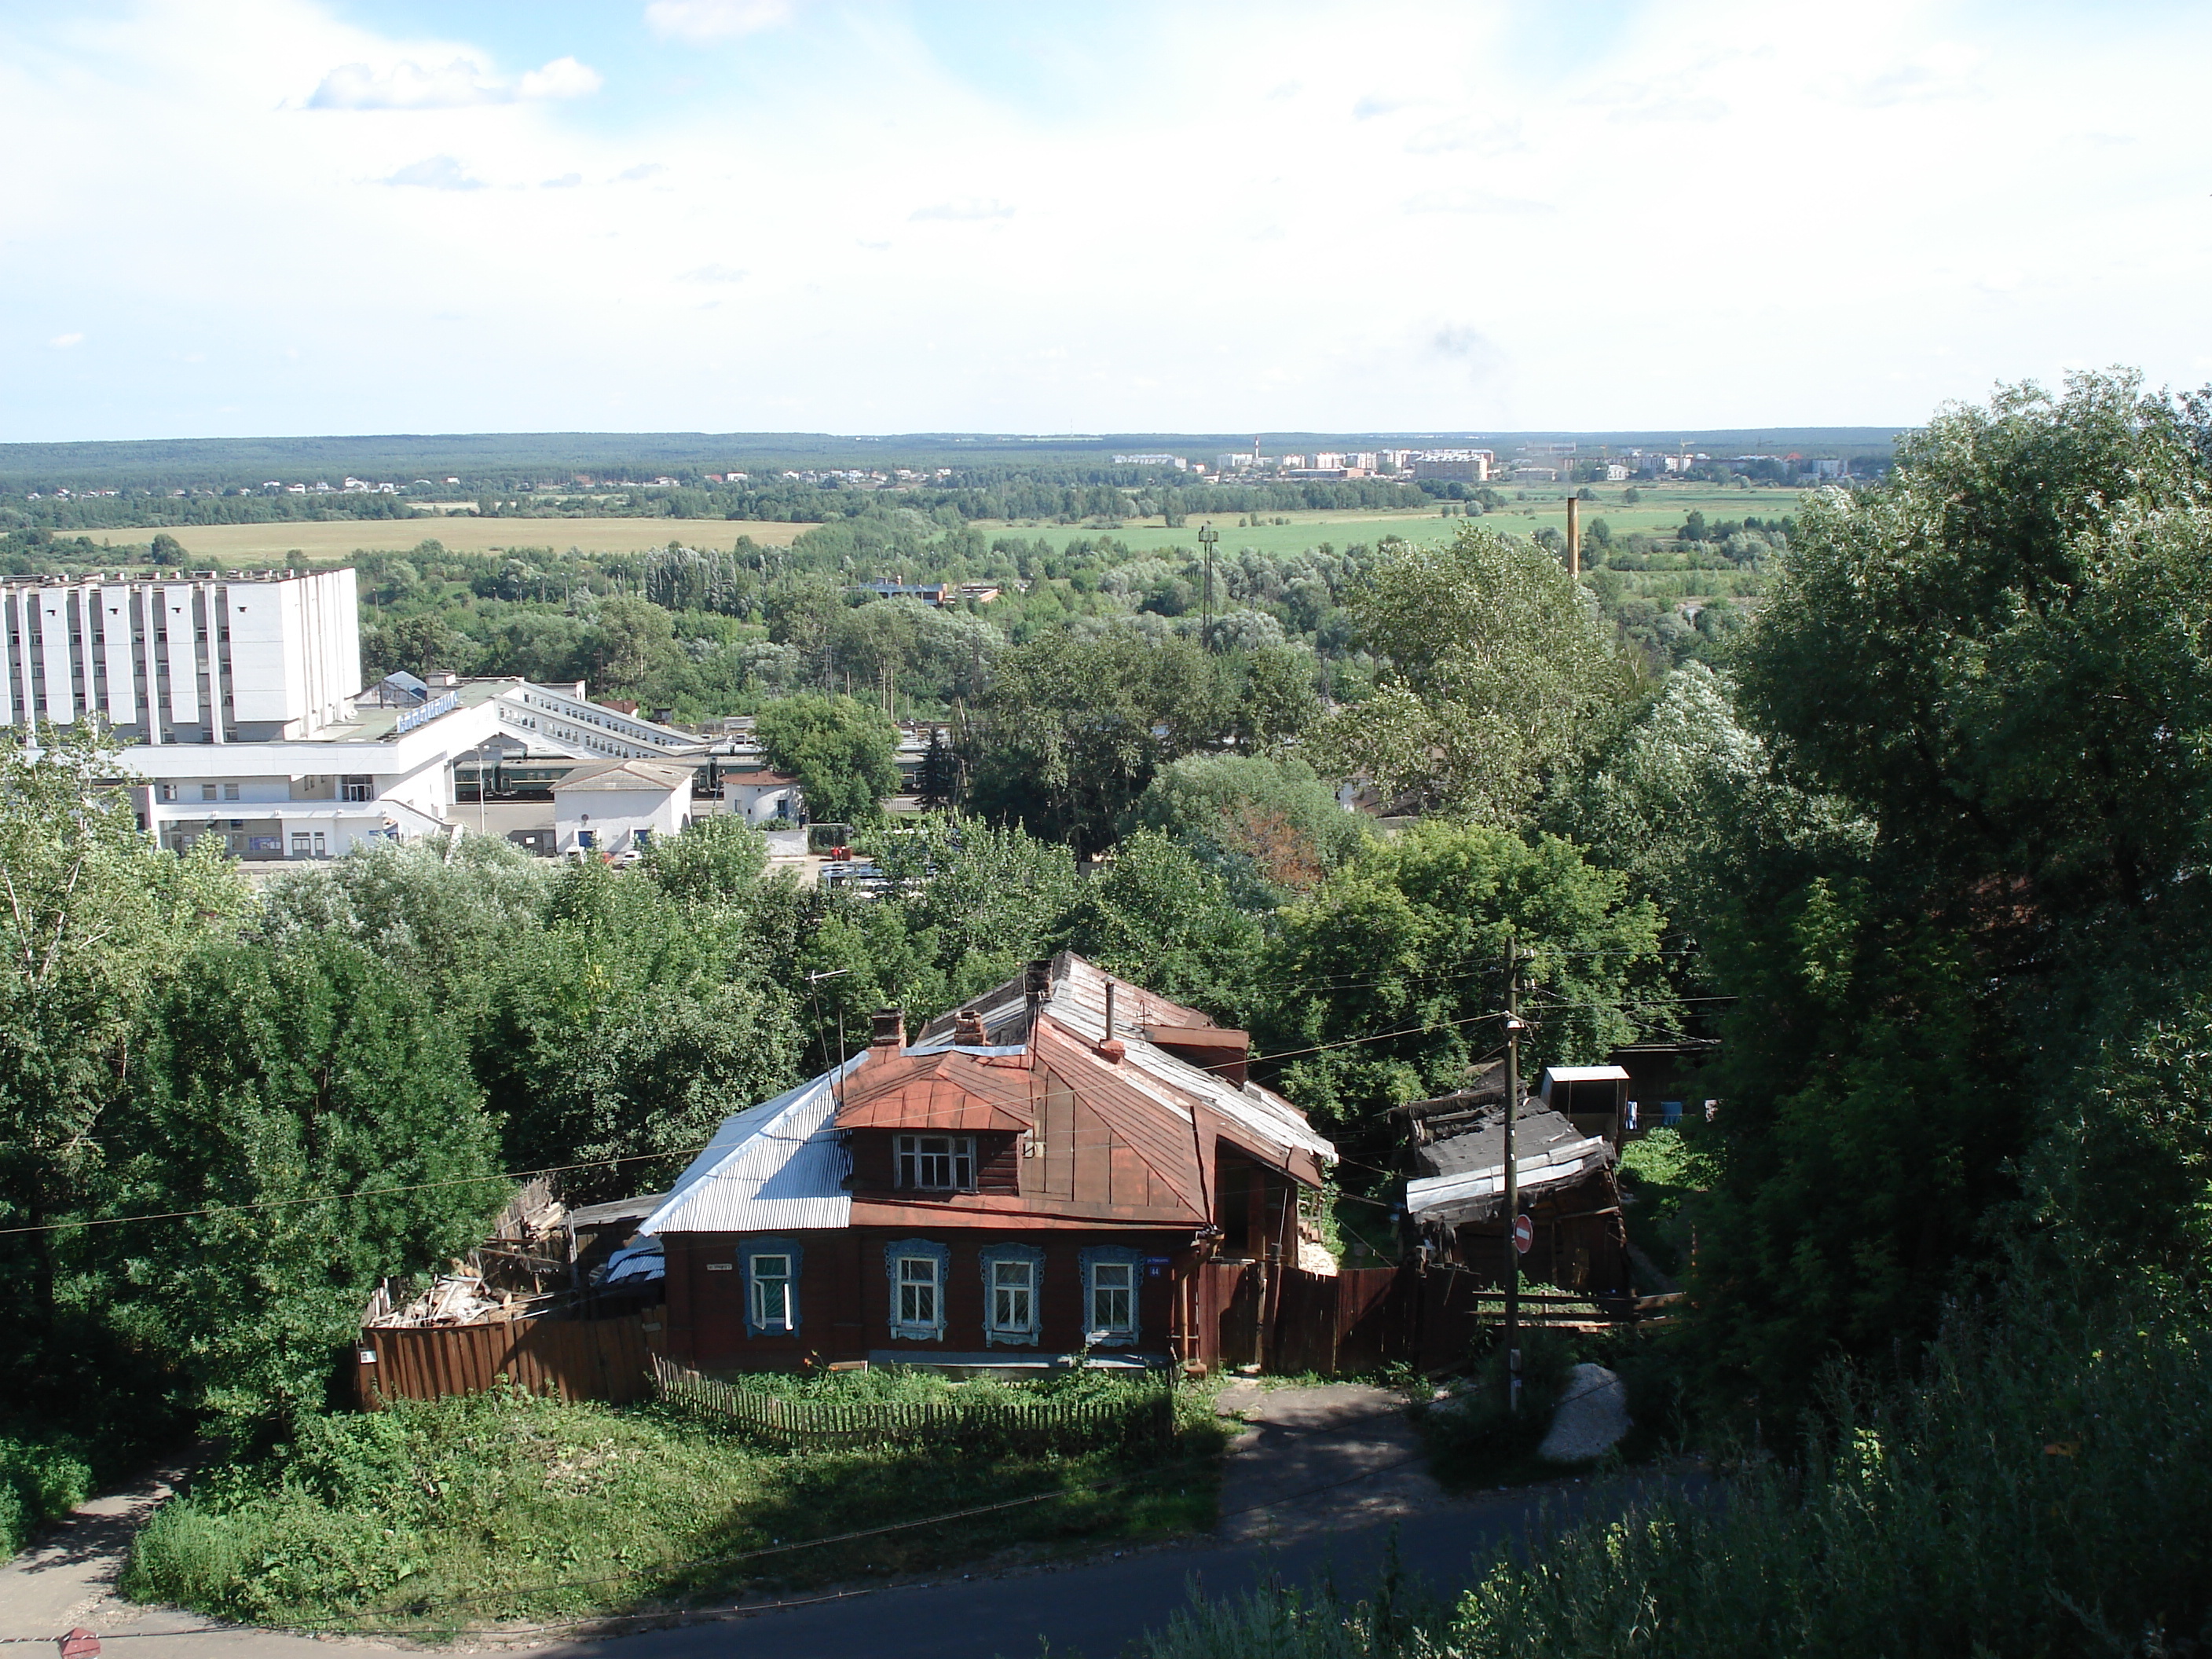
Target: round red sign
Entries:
(1524, 1233)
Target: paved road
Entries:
(1319, 1485)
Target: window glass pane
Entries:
(1111, 1295)
(917, 1290)
(1012, 1296)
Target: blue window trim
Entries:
(991, 1254)
(1091, 1259)
(928, 1247)
(746, 1251)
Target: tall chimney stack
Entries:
(888, 1037)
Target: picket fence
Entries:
(1027, 1427)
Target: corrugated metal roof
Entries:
(780, 1165)
(625, 774)
(1078, 1005)
(1584, 1074)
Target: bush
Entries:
(40, 1479)
(2046, 1490)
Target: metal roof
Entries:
(1584, 1074)
(1470, 1184)
(778, 1166)
(626, 774)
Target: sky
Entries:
(231, 217)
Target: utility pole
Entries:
(1513, 1029)
(1207, 535)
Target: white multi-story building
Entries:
(237, 699)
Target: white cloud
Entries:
(64, 342)
(434, 172)
(566, 181)
(457, 85)
(714, 20)
(1471, 137)
(564, 77)
(716, 274)
(1476, 202)
(965, 207)
(642, 171)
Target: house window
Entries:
(1109, 1295)
(230, 792)
(207, 792)
(917, 1287)
(771, 1291)
(937, 1162)
(1013, 1289)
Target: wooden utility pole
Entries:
(1512, 1177)
(1207, 535)
(1575, 537)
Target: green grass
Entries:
(432, 1519)
(1660, 1171)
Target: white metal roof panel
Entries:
(777, 1166)
(1565, 1163)
(1584, 1074)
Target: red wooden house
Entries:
(1071, 1164)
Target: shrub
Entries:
(40, 1480)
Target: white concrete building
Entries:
(624, 806)
(764, 798)
(237, 699)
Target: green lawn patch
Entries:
(500, 1508)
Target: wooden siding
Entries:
(609, 1359)
(844, 1296)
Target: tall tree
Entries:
(95, 918)
(1494, 669)
(843, 753)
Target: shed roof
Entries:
(1465, 1178)
(629, 775)
(780, 1164)
(1584, 1074)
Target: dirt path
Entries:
(1320, 1458)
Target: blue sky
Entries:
(868, 215)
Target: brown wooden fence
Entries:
(1032, 1427)
(609, 1359)
(1357, 1319)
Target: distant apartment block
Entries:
(1453, 465)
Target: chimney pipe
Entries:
(1574, 535)
(1110, 1010)
(890, 1030)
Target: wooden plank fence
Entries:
(1044, 1425)
(1356, 1319)
(608, 1359)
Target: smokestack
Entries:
(1110, 1010)
(888, 1037)
(1575, 537)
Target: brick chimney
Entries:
(888, 1039)
(968, 1031)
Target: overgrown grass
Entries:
(42, 1477)
(2046, 1490)
(434, 1518)
(1660, 1171)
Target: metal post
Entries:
(1512, 1177)
(1575, 537)
(1207, 535)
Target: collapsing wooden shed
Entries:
(1455, 1200)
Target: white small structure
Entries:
(621, 806)
(762, 798)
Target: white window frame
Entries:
(1126, 1327)
(1013, 1278)
(921, 1296)
(919, 1158)
(775, 1321)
